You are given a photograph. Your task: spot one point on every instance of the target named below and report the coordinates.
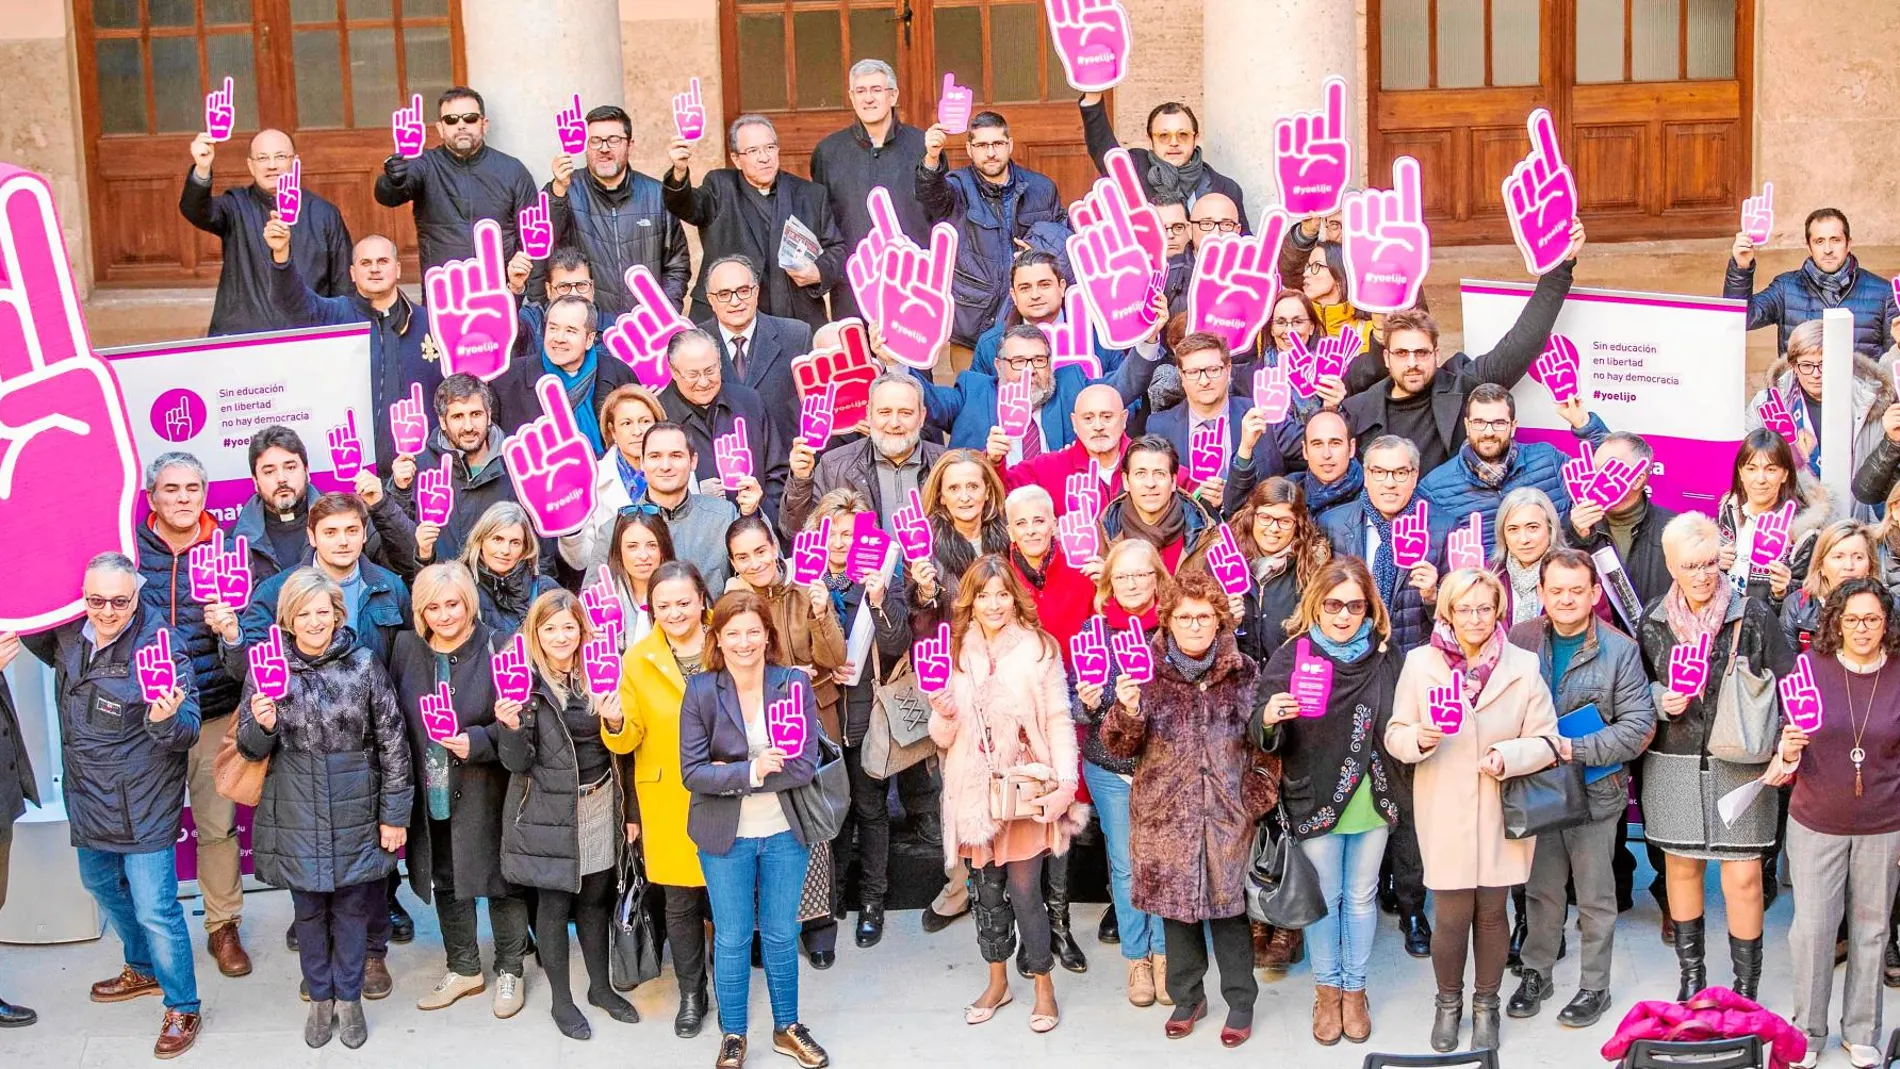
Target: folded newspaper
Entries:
(797, 247)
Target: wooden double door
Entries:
(1652, 100)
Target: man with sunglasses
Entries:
(875, 150)
(458, 182)
(755, 210)
(616, 217)
(755, 349)
(1172, 161)
(237, 216)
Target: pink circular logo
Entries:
(178, 415)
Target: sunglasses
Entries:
(96, 603)
(471, 118)
(1334, 606)
(644, 508)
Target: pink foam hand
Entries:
(815, 416)
(1312, 681)
(1775, 416)
(1332, 355)
(1072, 338)
(1088, 652)
(509, 669)
(406, 129)
(1800, 697)
(864, 268)
(600, 659)
(869, 547)
(571, 127)
(1082, 492)
(435, 492)
(1302, 367)
(1081, 542)
(1132, 654)
(1558, 367)
(1758, 215)
(1578, 472)
(1207, 451)
(202, 567)
(1387, 245)
(954, 105)
(269, 670)
(732, 455)
(847, 371)
(912, 529)
(1312, 155)
(786, 723)
(290, 193)
(234, 575)
(601, 603)
(552, 465)
(1446, 704)
(640, 335)
(1771, 535)
(1464, 546)
(409, 423)
(689, 112)
(1013, 409)
(470, 309)
(1225, 563)
(1412, 535)
(1231, 293)
(914, 301)
(1611, 481)
(536, 228)
(1540, 198)
(1689, 666)
(1092, 40)
(811, 551)
(1272, 392)
(931, 658)
(438, 714)
(221, 111)
(346, 449)
(1113, 267)
(157, 675)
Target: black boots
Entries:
(1746, 954)
(1484, 1022)
(1449, 1010)
(1691, 959)
(1530, 996)
(1055, 885)
(1520, 930)
(692, 1013)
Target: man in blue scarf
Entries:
(1830, 278)
(568, 353)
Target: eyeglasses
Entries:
(1334, 606)
(1225, 226)
(735, 295)
(1173, 137)
(1276, 523)
(1863, 623)
(1806, 368)
(1412, 355)
(1175, 228)
(1293, 324)
(611, 141)
(1474, 612)
(470, 118)
(988, 146)
(1132, 577)
(759, 152)
(119, 604)
(644, 508)
(711, 374)
(1019, 363)
(1703, 567)
(281, 158)
(865, 92)
(1316, 267)
(1390, 475)
(567, 289)
(1495, 426)
(1204, 374)
(1199, 619)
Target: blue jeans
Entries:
(1140, 931)
(1341, 941)
(768, 873)
(138, 893)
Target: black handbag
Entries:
(1549, 799)
(633, 949)
(1282, 885)
(819, 807)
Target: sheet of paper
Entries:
(857, 645)
(1733, 804)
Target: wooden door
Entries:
(788, 60)
(1651, 99)
(329, 72)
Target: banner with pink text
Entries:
(1670, 367)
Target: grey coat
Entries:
(1607, 670)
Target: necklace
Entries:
(1857, 754)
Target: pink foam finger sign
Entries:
(954, 105)
(600, 659)
(1540, 197)
(1558, 367)
(1387, 245)
(1775, 416)
(269, 670)
(1013, 411)
(346, 449)
(811, 551)
(1446, 704)
(1464, 546)
(1689, 666)
(1081, 542)
(639, 337)
(1771, 535)
(1312, 155)
(1225, 563)
(1092, 39)
(234, 575)
(221, 111)
(1207, 451)
(437, 710)
(535, 228)
(930, 656)
(1412, 535)
(601, 602)
(1117, 253)
(1577, 473)
(864, 268)
(571, 128)
(1132, 654)
(509, 669)
(435, 492)
(1312, 681)
(816, 412)
(689, 112)
(406, 129)
(1302, 367)
(847, 370)
(1234, 283)
(157, 674)
(1072, 338)
(732, 454)
(551, 465)
(1801, 700)
(913, 298)
(290, 193)
(912, 529)
(1611, 481)
(870, 546)
(1758, 215)
(471, 311)
(1331, 355)
(1082, 492)
(1088, 652)
(409, 423)
(786, 723)
(202, 568)
(1272, 392)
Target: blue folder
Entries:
(1577, 723)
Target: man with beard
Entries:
(616, 216)
(884, 467)
(458, 182)
(967, 411)
(1829, 278)
(1100, 421)
(272, 521)
(1171, 162)
(1493, 463)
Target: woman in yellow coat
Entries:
(653, 678)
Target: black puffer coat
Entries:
(540, 833)
(505, 598)
(1762, 644)
(450, 193)
(339, 767)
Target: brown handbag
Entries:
(235, 776)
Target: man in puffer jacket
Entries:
(1829, 278)
(1492, 463)
(458, 182)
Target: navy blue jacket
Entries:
(395, 516)
(319, 246)
(382, 616)
(967, 410)
(451, 193)
(517, 402)
(167, 594)
(616, 229)
(1345, 527)
(1455, 493)
(1173, 424)
(983, 357)
(715, 762)
(988, 227)
(264, 562)
(768, 366)
(1790, 300)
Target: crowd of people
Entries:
(1199, 741)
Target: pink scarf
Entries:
(1690, 625)
(1478, 672)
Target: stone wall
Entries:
(39, 126)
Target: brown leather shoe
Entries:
(1262, 940)
(180, 1031)
(1286, 948)
(1356, 1016)
(129, 984)
(1327, 1025)
(227, 950)
(376, 981)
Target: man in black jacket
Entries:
(458, 182)
(237, 216)
(876, 150)
(616, 216)
(17, 787)
(747, 210)
(705, 406)
(567, 352)
(1172, 160)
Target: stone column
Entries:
(529, 61)
(1265, 58)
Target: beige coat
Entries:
(1457, 808)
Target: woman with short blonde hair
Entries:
(302, 585)
(434, 581)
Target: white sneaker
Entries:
(1808, 1059)
(447, 990)
(509, 995)
(1862, 1057)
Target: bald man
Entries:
(320, 245)
(1214, 215)
(1100, 421)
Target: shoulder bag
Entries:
(1015, 792)
(1744, 730)
(634, 948)
(1282, 885)
(899, 733)
(1549, 799)
(820, 805)
(235, 776)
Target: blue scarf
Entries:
(1349, 651)
(580, 394)
(1322, 496)
(631, 477)
(1385, 573)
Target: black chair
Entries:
(1739, 1052)
(1473, 1059)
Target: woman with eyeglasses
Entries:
(504, 556)
(1766, 477)
(1527, 529)
(1844, 819)
(1284, 548)
(1321, 271)
(1680, 778)
(1332, 753)
(618, 480)
(1503, 725)
(641, 544)
(1796, 380)
(1843, 550)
